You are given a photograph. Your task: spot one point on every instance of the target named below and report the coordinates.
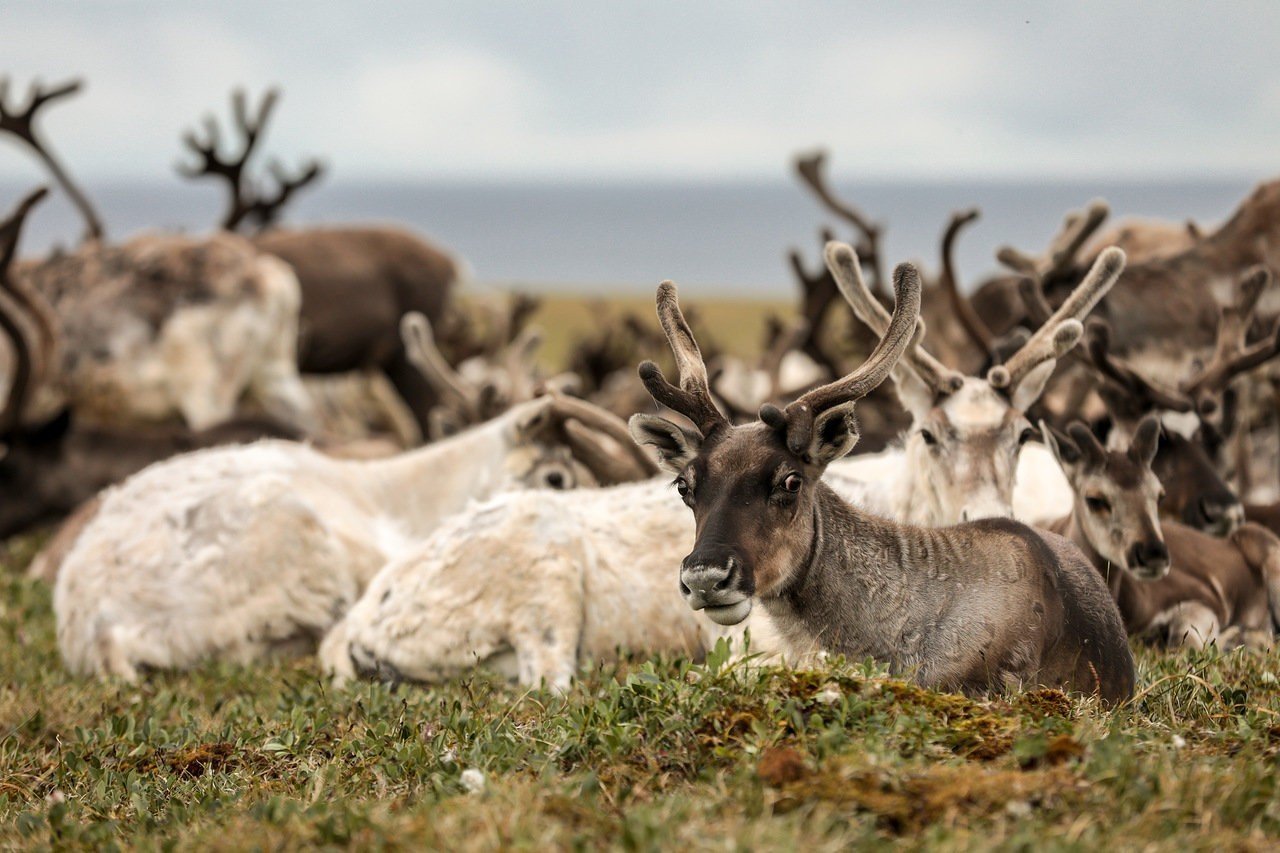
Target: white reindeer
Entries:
(233, 553)
(969, 440)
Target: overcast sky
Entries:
(588, 90)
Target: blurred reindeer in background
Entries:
(357, 281)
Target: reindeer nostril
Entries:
(684, 589)
(722, 584)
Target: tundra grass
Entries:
(649, 754)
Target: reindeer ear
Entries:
(1062, 447)
(676, 448)
(835, 432)
(1146, 440)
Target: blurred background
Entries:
(588, 148)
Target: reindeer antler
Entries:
(1098, 347)
(21, 124)
(1232, 355)
(245, 204)
(692, 398)
(420, 347)
(798, 418)
(968, 317)
(31, 360)
(1077, 228)
(812, 171)
(941, 379)
(1064, 327)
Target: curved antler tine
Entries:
(1077, 228)
(969, 319)
(1063, 328)
(898, 335)
(1038, 309)
(21, 381)
(693, 396)
(597, 420)
(1232, 355)
(609, 466)
(842, 260)
(420, 347)
(11, 228)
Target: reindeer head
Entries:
(1117, 496)
(1197, 415)
(967, 431)
(754, 488)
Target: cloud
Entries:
(714, 90)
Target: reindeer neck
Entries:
(914, 500)
(865, 586)
(422, 486)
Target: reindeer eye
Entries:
(1097, 504)
(929, 438)
(792, 483)
(682, 486)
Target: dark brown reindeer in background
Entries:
(978, 607)
(1171, 582)
(357, 282)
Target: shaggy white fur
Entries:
(234, 553)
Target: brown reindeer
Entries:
(357, 282)
(1166, 315)
(1171, 582)
(1197, 412)
(978, 607)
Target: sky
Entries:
(591, 91)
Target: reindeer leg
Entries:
(1192, 625)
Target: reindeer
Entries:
(978, 607)
(1166, 315)
(52, 461)
(357, 282)
(1198, 413)
(160, 326)
(969, 435)
(593, 580)
(1169, 580)
(236, 553)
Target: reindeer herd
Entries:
(1082, 451)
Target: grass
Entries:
(654, 754)
(646, 755)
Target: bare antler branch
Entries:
(1077, 228)
(941, 379)
(420, 347)
(245, 203)
(1232, 354)
(1064, 327)
(693, 396)
(812, 171)
(969, 319)
(21, 124)
(20, 322)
